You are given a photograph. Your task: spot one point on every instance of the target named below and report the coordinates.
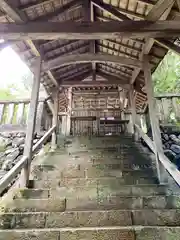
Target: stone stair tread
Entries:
(98, 218)
(102, 203)
(91, 233)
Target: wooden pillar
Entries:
(55, 120)
(69, 110)
(31, 121)
(132, 106)
(153, 118)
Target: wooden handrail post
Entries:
(31, 121)
(153, 118)
(55, 120)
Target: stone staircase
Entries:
(99, 188)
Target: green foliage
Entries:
(6, 94)
(167, 76)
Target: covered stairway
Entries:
(95, 60)
(98, 188)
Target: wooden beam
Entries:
(110, 9)
(32, 120)
(158, 9)
(132, 106)
(153, 118)
(90, 30)
(88, 57)
(93, 84)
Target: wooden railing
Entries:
(9, 177)
(14, 114)
(167, 164)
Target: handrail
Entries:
(16, 101)
(6, 180)
(167, 164)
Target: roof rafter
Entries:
(161, 11)
(75, 75)
(161, 7)
(124, 45)
(110, 9)
(20, 17)
(69, 73)
(59, 11)
(117, 51)
(116, 69)
(108, 75)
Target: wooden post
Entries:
(31, 121)
(132, 106)
(69, 110)
(153, 118)
(55, 120)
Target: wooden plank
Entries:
(88, 57)
(1, 112)
(10, 113)
(89, 30)
(176, 107)
(167, 107)
(153, 118)
(20, 113)
(39, 116)
(31, 121)
(26, 114)
(55, 120)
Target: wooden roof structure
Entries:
(91, 39)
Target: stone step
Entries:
(104, 181)
(100, 203)
(90, 182)
(126, 190)
(107, 181)
(39, 170)
(79, 171)
(91, 233)
(124, 202)
(76, 219)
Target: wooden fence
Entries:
(14, 115)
